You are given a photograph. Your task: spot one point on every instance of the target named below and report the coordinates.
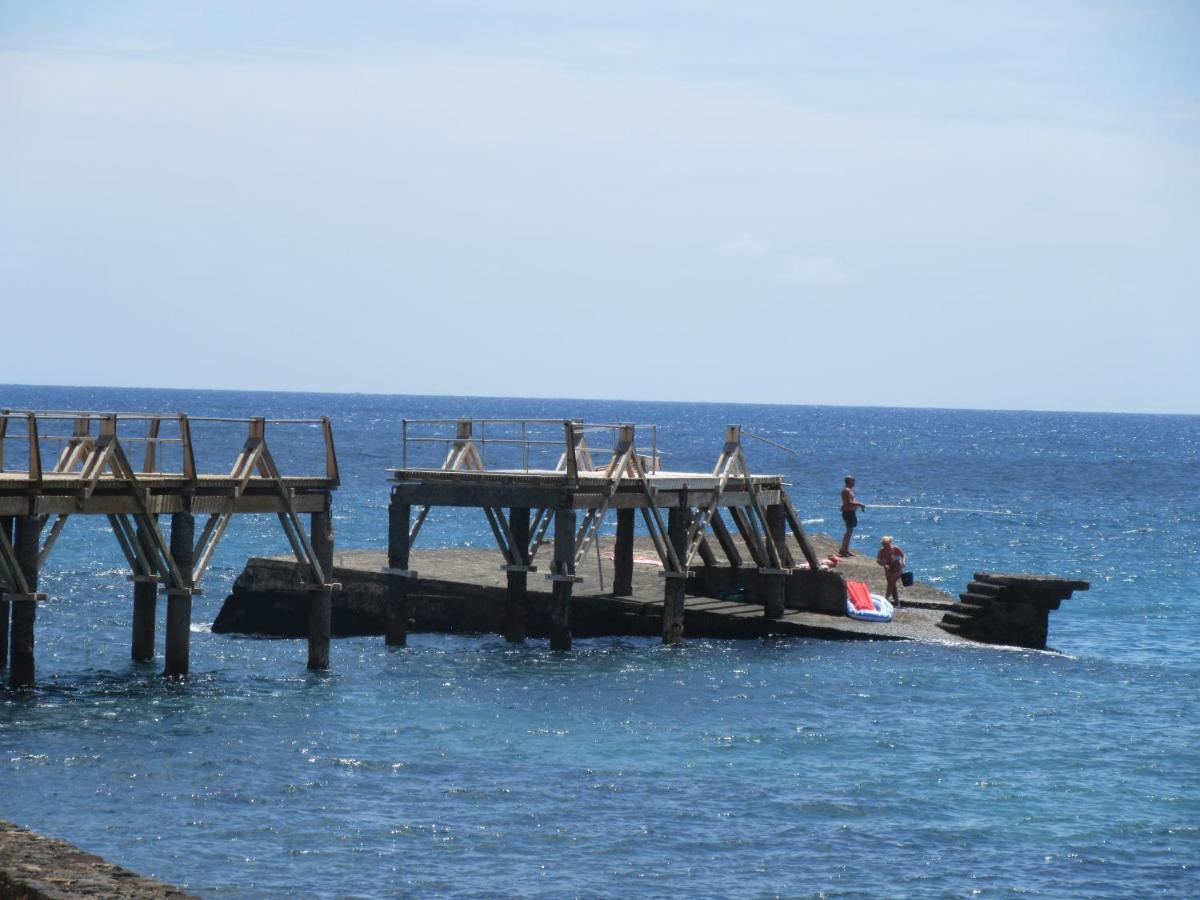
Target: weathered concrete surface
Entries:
(1009, 609)
(34, 867)
(463, 591)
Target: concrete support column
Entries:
(774, 582)
(399, 523)
(21, 670)
(674, 584)
(623, 554)
(145, 610)
(6, 527)
(320, 610)
(564, 571)
(178, 644)
(518, 582)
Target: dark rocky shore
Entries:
(34, 867)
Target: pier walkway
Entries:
(57, 465)
(563, 477)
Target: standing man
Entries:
(850, 507)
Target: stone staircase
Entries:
(1013, 610)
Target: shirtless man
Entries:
(850, 506)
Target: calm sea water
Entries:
(461, 766)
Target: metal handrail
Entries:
(108, 423)
(480, 439)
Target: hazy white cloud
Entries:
(814, 270)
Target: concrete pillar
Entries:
(518, 582)
(623, 554)
(399, 523)
(24, 608)
(145, 611)
(564, 565)
(774, 582)
(178, 642)
(673, 585)
(320, 610)
(6, 527)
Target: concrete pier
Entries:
(464, 591)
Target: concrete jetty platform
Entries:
(465, 591)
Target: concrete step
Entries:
(982, 587)
(976, 601)
(957, 619)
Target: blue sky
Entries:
(922, 204)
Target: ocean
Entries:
(463, 766)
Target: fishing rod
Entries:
(962, 509)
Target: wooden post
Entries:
(179, 601)
(518, 582)
(564, 571)
(703, 548)
(24, 607)
(399, 522)
(774, 582)
(145, 608)
(750, 537)
(674, 583)
(725, 539)
(777, 525)
(6, 526)
(623, 554)
(320, 610)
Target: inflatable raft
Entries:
(861, 604)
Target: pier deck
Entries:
(58, 465)
(528, 493)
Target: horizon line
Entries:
(605, 400)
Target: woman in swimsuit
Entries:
(892, 558)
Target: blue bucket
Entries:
(906, 579)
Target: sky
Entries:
(965, 205)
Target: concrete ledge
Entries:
(34, 867)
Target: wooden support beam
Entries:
(179, 597)
(320, 612)
(623, 554)
(21, 668)
(538, 496)
(145, 610)
(673, 583)
(563, 578)
(798, 530)
(725, 539)
(399, 523)
(750, 536)
(518, 580)
(104, 502)
(777, 527)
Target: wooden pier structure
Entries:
(555, 481)
(78, 464)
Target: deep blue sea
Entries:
(461, 766)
